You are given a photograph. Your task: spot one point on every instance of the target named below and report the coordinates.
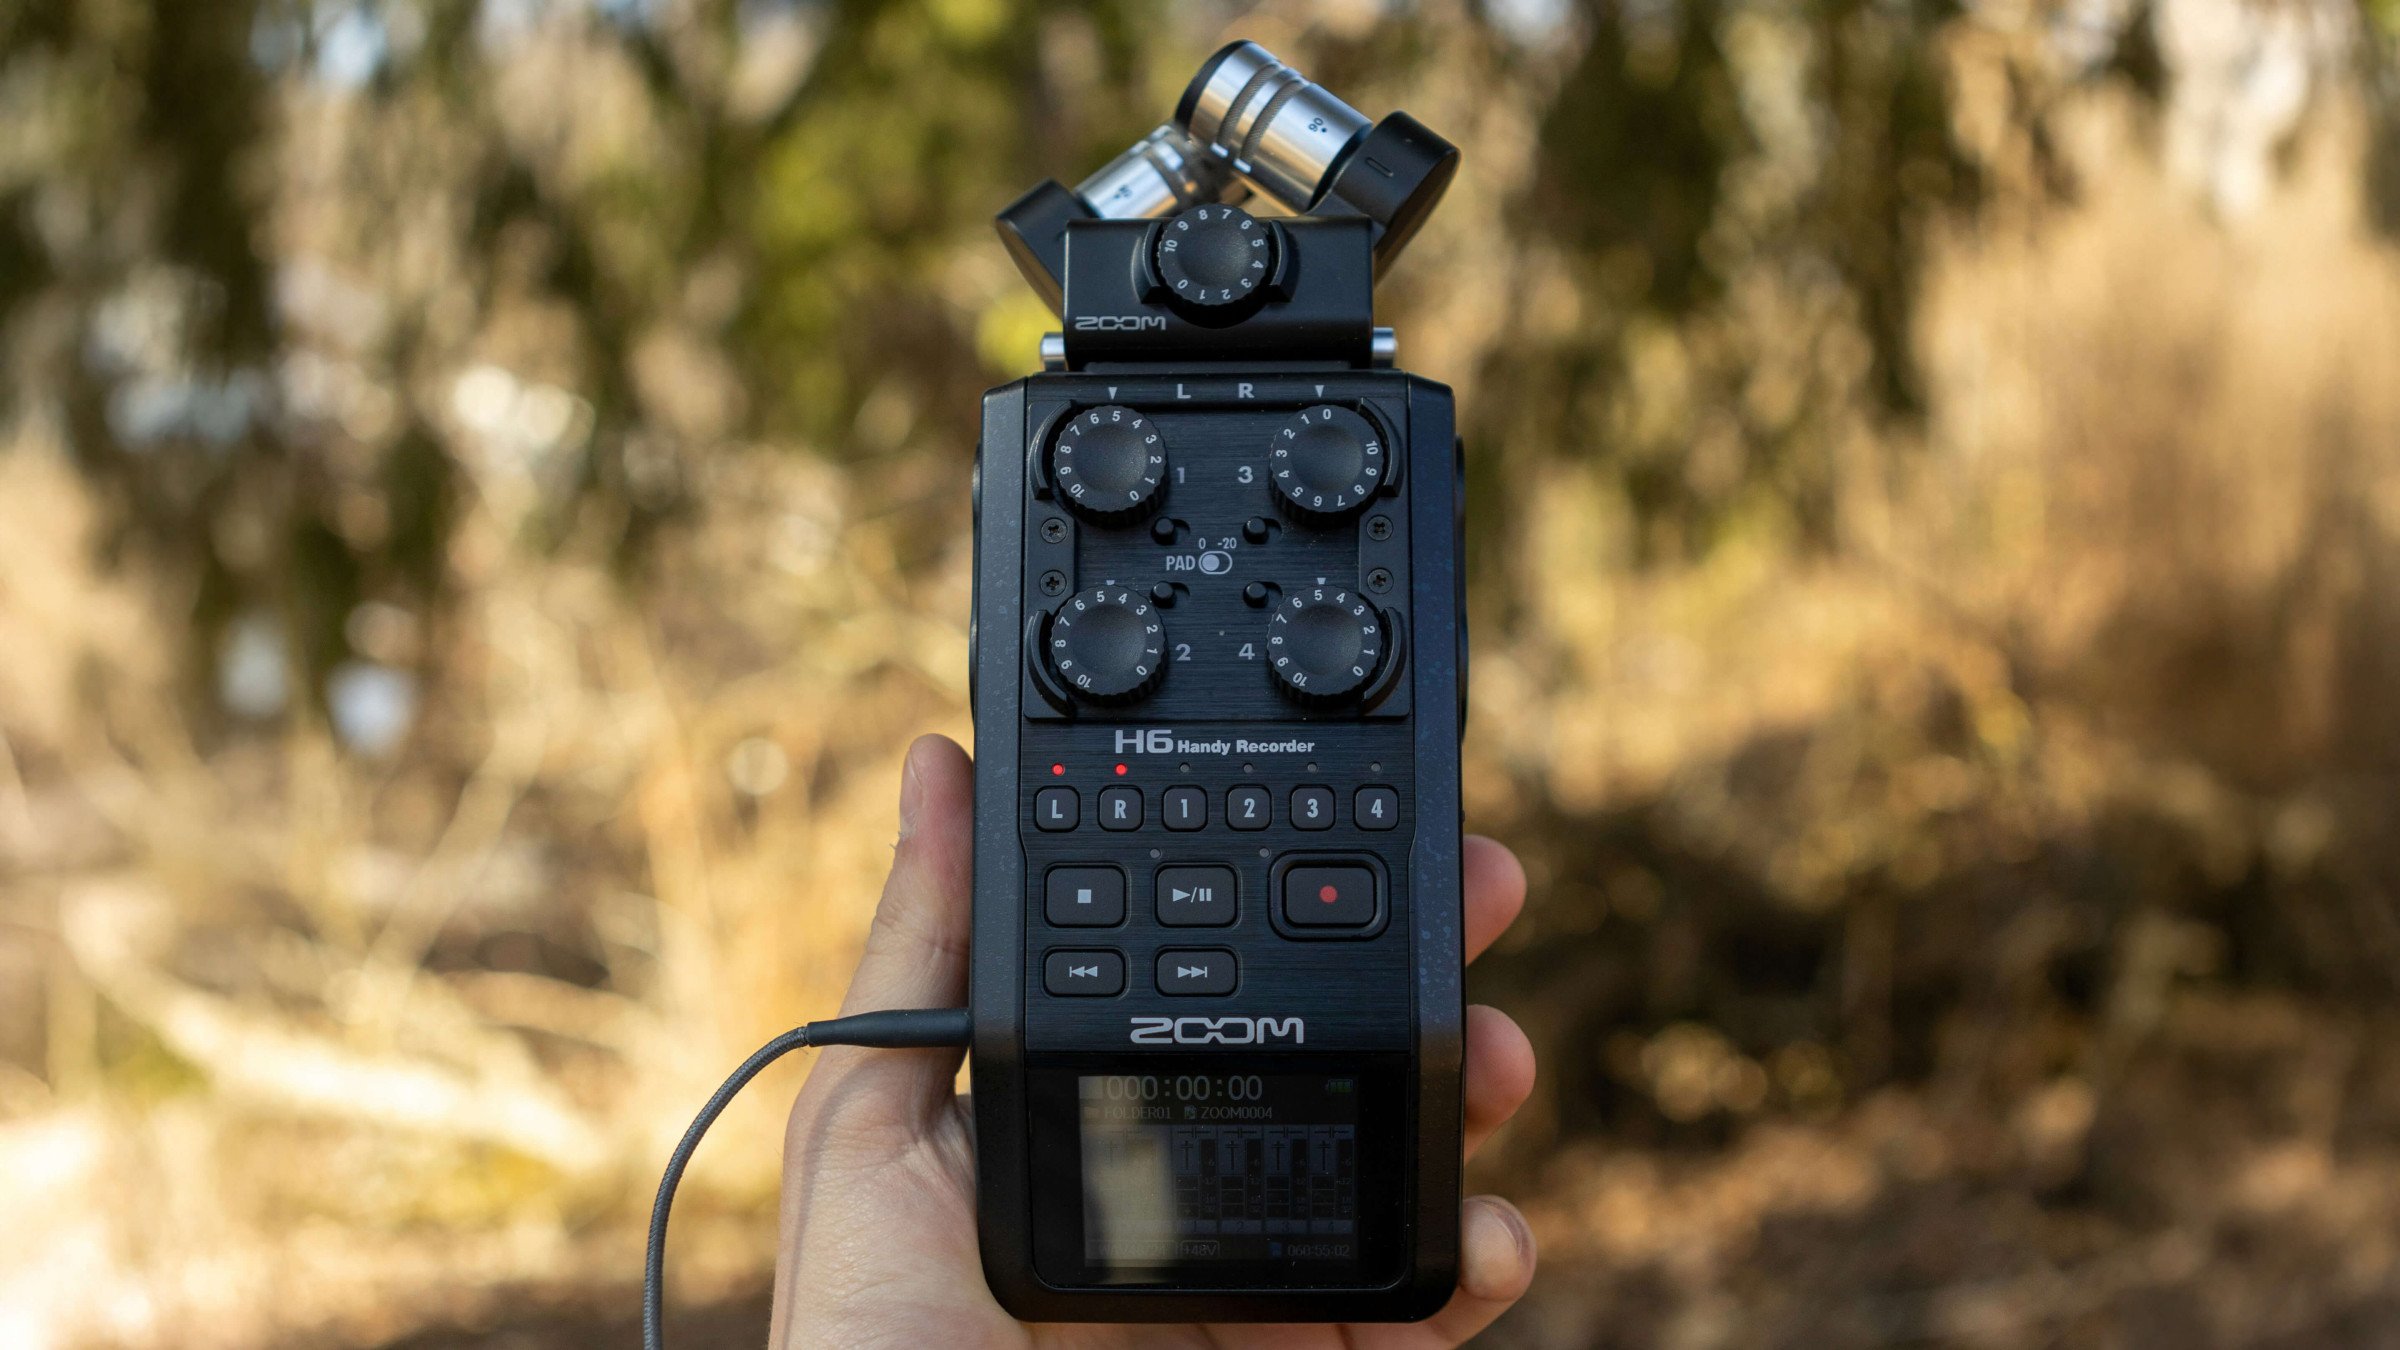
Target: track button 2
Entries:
(1083, 974)
(1208, 971)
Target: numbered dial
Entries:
(1108, 645)
(1214, 255)
(1324, 644)
(1108, 465)
(1325, 463)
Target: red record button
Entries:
(1329, 897)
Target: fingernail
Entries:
(1498, 1251)
(912, 792)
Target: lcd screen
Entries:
(1218, 1167)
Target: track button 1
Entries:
(1083, 974)
(1185, 808)
(1333, 895)
(1207, 971)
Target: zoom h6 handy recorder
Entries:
(1219, 673)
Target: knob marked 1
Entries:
(1108, 644)
(1214, 255)
(1325, 463)
(1108, 464)
(1324, 644)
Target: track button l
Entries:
(1056, 808)
(1207, 971)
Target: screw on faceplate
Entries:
(1054, 530)
(1379, 580)
(1055, 583)
(1379, 528)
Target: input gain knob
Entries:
(1108, 465)
(1214, 255)
(1325, 463)
(1108, 645)
(1324, 644)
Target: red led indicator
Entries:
(1120, 771)
(1328, 894)
(1058, 770)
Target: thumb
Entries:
(916, 953)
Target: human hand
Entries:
(878, 1225)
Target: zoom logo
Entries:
(1217, 1030)
(1119, 323)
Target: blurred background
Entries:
(483, 505)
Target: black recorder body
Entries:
(1219, 679)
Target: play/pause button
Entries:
(1196, 897)
(1207, 971)
(1083, 974)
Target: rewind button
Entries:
(1083, 974)
(1205, 971)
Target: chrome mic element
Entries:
(1313, 153)
(1276, 128)
(1163, 173)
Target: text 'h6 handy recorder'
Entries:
(1219, 675)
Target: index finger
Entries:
(1495, 890)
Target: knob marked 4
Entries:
(1324, 644)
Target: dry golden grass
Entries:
(301, 1047)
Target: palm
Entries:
(878, 1240)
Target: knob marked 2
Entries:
(1108, 645)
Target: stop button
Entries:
(1329, 896)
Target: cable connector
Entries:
(897, 1029)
